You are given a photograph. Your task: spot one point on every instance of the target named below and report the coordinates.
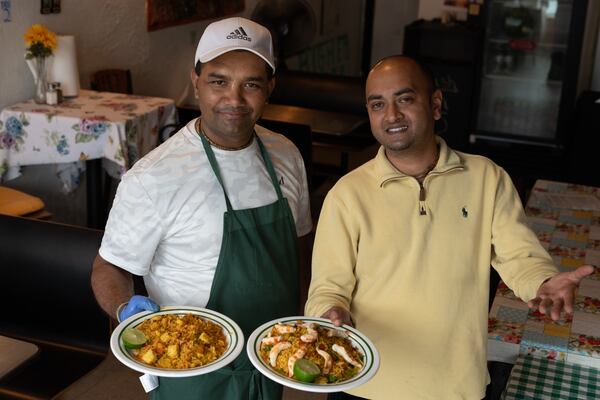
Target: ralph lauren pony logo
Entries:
(465, 212)
(239, 33)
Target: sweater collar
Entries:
(448, 160)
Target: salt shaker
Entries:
(51, 95)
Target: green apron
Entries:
(256, 281)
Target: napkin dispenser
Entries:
(64, 68)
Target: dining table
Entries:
(554, 355)
(102, 131)
(537, 377)
(321, 121)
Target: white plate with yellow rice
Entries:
(344, 357)
(181, 342)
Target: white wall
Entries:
(108, 34)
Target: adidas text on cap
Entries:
(235, 33)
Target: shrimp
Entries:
(342, 352)
(295, 357)
(326, 361)
(276, 350)
(271, 340)
(282, 328)
(310, 335)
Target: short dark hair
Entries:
(423, 67)
(270, 73)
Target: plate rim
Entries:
(233, 352)
(258, 363)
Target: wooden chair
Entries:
(112, 80)
(185, 114)
(168, 130)
(300, 135)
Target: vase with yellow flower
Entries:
(40, 43)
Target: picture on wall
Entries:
(165, 13)
(50, 6)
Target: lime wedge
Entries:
(133, 338)
(306, 370)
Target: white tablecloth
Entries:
(116, 127)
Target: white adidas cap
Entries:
(235, 33)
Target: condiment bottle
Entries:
(56, 86)
(51, 95)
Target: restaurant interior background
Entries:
(345, 38)
(113, 34)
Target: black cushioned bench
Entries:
(47, 300)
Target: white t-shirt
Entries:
(166, 222)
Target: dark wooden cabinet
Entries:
(452, 53)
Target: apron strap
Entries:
(215, 167)
(269, 166)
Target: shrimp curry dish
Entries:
(309, 352)
(180, 341)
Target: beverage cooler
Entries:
(529, 78)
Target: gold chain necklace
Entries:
(218, 146)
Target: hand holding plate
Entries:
(137, 304)
(338, 316)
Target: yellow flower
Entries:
(39, 41)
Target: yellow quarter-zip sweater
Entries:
(412, 265)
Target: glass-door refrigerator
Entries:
(530, 70)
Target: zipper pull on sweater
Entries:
(422, 210)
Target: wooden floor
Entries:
(292, 394)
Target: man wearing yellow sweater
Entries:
(404, 245)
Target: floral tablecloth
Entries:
(116, 127)
(566, 219)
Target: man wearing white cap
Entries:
(212, 217)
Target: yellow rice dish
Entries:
(330, 349)
(180, 341)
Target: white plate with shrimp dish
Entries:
(313, 355)
(177, 341)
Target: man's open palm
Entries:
(557, 294)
